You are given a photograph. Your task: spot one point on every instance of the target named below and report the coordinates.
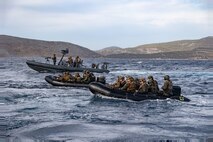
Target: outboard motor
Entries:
(101, 79)
(176, 91)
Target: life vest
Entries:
(143, 88)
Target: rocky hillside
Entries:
(19, 47)
(201, 49)
(195, 49)
(111, 50)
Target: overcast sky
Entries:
(96, 24)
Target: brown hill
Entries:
(19, 47)
(202, 48)
(111, 50)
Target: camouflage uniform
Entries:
(130, 85)
(153, 85)
(122, 81)
(167, 86)
(70, 61)
(77, 78)
(143, 86)
(84, 74)
(137, 81)
(86, 77)
(77, 61)
(66, 77)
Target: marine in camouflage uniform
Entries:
(70, 61)
(77, 62)
(167, 86)
(64, 77)
(72, 79)
(137, 81)
(130, 85)
(87, 77)
(152, 85)
(77, 78)
(143, 88)
(122, 81)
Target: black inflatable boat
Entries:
(52, 80)
(104, 90)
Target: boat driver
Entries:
(167, 86)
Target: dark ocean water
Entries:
(33, 110)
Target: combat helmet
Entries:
(166, 77)
(150, 77)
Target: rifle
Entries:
(47, 58)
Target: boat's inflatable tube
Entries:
(102, 89)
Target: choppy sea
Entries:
(33, 110)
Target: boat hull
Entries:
(103, 90)
(44, 67)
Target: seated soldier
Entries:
(72, 79)
(86, 77)
(60, 77)
(152, 85)
(117, 83)
(84, 74)
(122, 81)
(77, 78)
(143, 88)
(92, 76)
(167, 86)
(66, 77)
(130, 85)
(137, 81)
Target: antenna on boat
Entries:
(64, 52)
